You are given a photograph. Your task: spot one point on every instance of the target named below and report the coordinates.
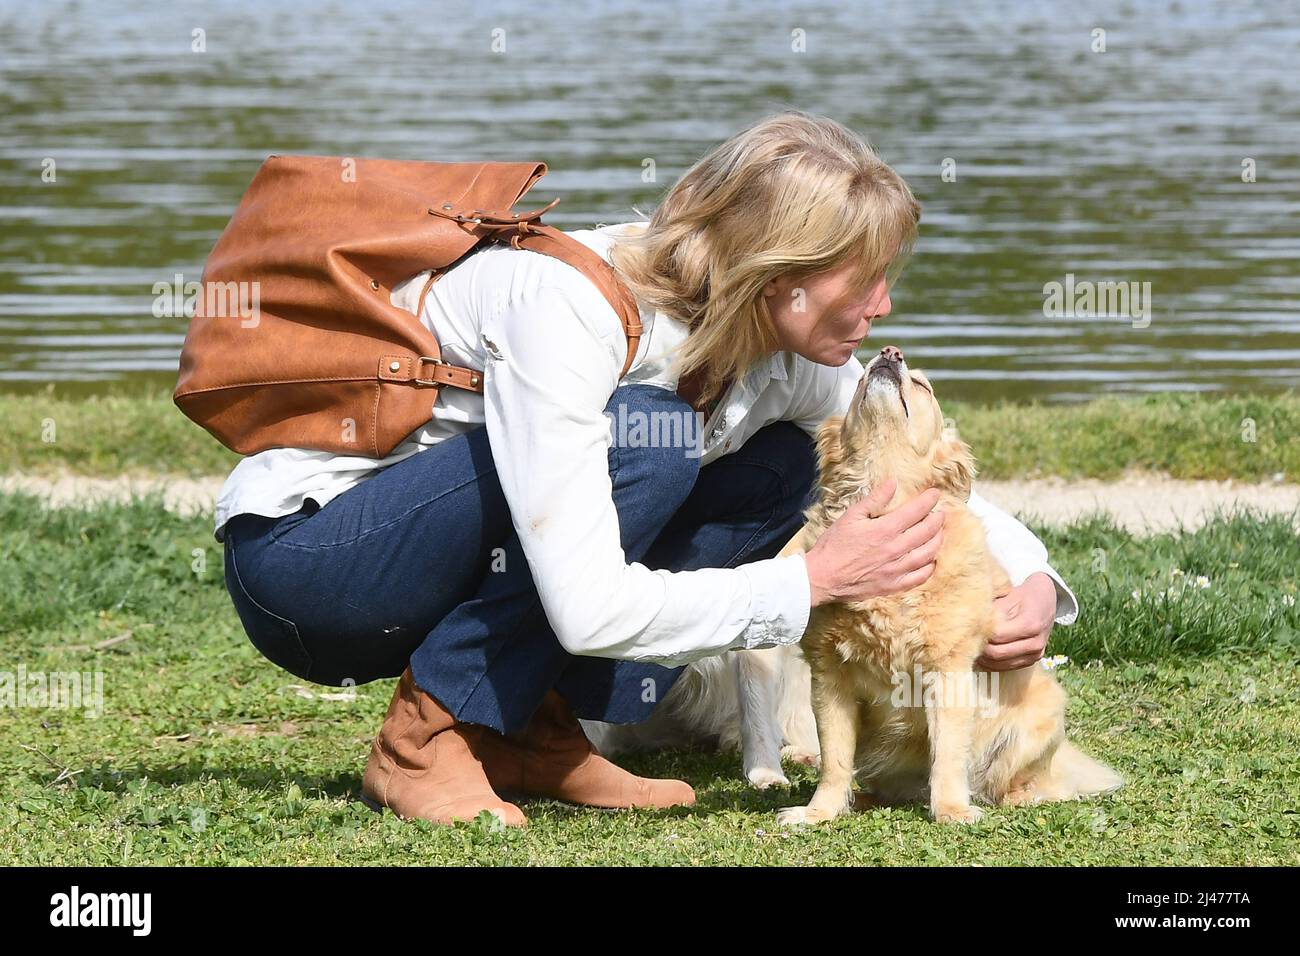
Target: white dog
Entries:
(757, 700)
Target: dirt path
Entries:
(1139, 503)
(184, 495)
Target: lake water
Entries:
(1066, 163)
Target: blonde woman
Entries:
(543, 552)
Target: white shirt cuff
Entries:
(1067, 605)
(780, 601)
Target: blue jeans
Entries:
(403, 568)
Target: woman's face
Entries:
(824, 317)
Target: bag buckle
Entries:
(455, 377)
(432, 361)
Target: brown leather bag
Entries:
(324, 360)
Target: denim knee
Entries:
(655, 437)
(788, 456)
(799, 453)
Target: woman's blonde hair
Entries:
(793, 195)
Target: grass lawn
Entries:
(206, 753)
(1254, 437)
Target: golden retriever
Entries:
(897, 700)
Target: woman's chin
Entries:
(843, 353)
(832, 355)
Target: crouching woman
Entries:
(533, 555)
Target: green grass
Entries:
(121, 431)
(206, 753)
(1182, 435)
(1186, 436)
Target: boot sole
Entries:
(517, 797)
(379, 808)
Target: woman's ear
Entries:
(954, 465)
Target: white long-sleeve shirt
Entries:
(551, 349)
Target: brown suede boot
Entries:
(424, 764)
(553, 758)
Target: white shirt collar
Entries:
(777, 370)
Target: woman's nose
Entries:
(882, 305)
(884, 308)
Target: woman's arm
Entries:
(1021, 553)
(554, 357)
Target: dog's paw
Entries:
(957, 814)
(800, 816)
(792, 817)
(813, 760)
(764, 777)
(1021, 797)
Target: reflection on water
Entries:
(1124, 165)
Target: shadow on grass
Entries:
(717, 778)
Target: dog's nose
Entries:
(892, 353)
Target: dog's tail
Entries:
(1074, 774)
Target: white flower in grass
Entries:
(1288, 600)
(1137, 595)
(1053, 662)
(1202, 581)
(1249, 692)
(1176, 573)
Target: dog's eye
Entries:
(917, 381)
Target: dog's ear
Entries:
(954, 465)
(830, 444)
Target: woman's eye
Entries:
(917, 381)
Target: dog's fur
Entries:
(763, 701)
(1011, 748)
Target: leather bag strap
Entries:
(526, 231)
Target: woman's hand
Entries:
(1025, 616)
(863, 556)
